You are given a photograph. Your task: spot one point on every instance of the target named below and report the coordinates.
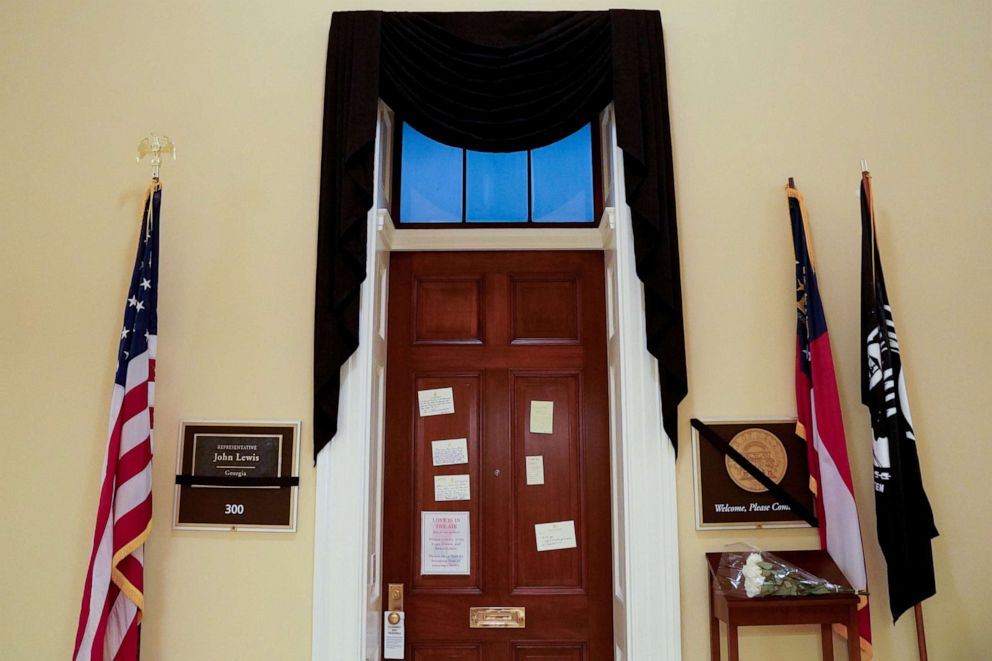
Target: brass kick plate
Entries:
(497, 617)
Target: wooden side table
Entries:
(812, 609)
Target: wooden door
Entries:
(502, 330)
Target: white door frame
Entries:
(347, 605)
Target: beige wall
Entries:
(759, 91)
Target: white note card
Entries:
(555, 536)
(450, 452)
(444, 546)
(535, 470)
(393, 635)
(438, 401)
(542, 417)
(451, 487)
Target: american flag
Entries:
(820, 422)
(113, 595)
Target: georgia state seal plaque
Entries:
(763, 449)
(728, 496)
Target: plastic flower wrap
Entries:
(763, 574)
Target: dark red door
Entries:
(516, 336)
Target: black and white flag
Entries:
(904, 517)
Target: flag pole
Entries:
(921, 634)
(866, 182)
(153, 146)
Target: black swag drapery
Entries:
(493, 81)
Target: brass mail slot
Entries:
(497, 617)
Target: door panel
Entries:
(548, 652)
(558, 498)
(546, 308)
(448, 310)
(503, 330)
(447, 652)
(463, 423)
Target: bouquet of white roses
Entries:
(763, 574)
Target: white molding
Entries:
(651, 608)
(387, 230)
(607, 228)
(347, 525)
(566, 238)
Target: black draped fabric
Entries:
(346, 173)
(494, 81)
(640, 103)
(529, 86)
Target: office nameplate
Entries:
(237, 476)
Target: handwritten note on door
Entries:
(535, 470)
(555, 536)
(450, 452)
(451, 487)
(438, 401)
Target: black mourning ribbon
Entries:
(726, 449)
(230, 481)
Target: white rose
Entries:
(754, 577)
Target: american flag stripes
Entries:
(113, 594)
(820, 422)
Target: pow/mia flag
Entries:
(904, 518)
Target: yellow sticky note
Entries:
(542, 417)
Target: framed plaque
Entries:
(237, 476)
(729, 496)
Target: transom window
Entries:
(440, 185)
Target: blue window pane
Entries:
(562, 180)
(496, 187)
(431, 180)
